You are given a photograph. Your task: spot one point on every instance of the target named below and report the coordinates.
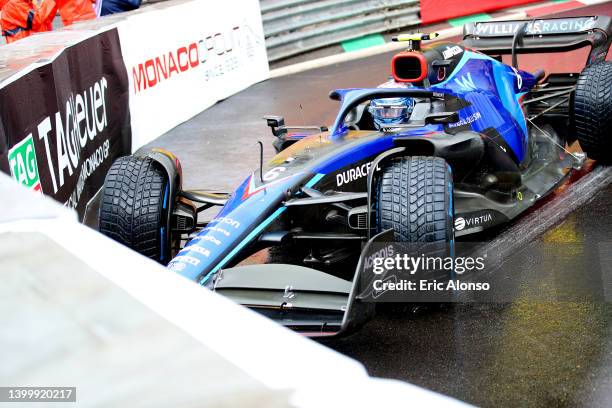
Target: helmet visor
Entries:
(389, 112)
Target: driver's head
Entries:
(391, 111)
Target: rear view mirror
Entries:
(276, 124)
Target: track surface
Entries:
(525, 353)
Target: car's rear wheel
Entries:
(134, 205)
(414, 199)
(592, 111)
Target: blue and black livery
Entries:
(485, 127)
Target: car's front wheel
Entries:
(133, 207)
(415, 200)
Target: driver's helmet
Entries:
(391, 111)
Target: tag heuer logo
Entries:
(22, 161)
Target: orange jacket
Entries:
(20, 18)
(75, 10)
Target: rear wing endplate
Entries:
(542, 36)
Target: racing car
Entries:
(457, 143)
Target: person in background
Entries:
(72, 11)
(106, 7)
(21, 18)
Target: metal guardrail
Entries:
(292, 27)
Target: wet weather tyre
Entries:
(414, 198)
(592, 111)
(133, 206)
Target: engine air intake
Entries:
(409, 67)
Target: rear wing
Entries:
(541, 36)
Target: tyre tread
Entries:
(132, 204)
(593, 110)
(413, 199)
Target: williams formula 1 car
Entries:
(483, 142)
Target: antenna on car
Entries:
(260, 161)
(414, 40)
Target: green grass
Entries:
(459, 21)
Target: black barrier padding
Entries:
(84, 91)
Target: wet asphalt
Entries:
(527, 352)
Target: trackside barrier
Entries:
(295, 26)
(215, 50)
(74, 100)
(125, 331)
(292, 27)
(65, 114)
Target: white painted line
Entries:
(376, 50)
